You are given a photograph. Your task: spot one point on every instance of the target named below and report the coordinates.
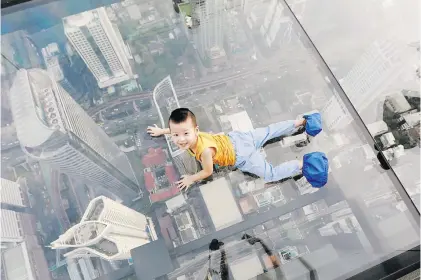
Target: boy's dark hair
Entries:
(181, 115)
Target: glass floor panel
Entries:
(90, 195)
(379, 71)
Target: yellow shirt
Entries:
(224, 150)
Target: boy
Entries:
(242, 149)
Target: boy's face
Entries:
(184, 134)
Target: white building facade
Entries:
(335, 114)
(11, 193)
(25, 260)
(374, 71)
(11, 227)
(81, 269)
(53, 128)
(165, 100)
(108, 230)
(17, 263)
(209, 36)
(98, 41)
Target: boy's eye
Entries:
(186, 133)
(175, 135)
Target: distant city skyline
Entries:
(382, 62)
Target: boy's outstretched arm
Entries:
(157, 131)
(207, 165)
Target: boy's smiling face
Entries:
(184, 134)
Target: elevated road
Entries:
(183, 90)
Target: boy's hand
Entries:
(185, 182)
(155, 131)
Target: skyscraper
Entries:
(374, 71)
(165, 100)
(276, 28)
(107, 230)
(335, 114)
(100, 45)
(52, 55)
(275, 22)
(209, 36)
(26, 260)
(10, 193)
(81, 269)
(53, 128)
(11, 231)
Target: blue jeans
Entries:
(249, 159)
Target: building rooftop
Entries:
(17, 263)
(10, 193)
(164, 194)
(246, 267)
(220, 203)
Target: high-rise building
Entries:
(254, 12)
(165, 100)
(270, 20)
(108, 230)
(209, 35)
(374, 71)
(81, 269)
(98, 41)
(26, 260)
(11, 193)
(51, 55)
(275, 21)
(335, 114)
(53, 128)
(11, 227)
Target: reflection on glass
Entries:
(83, 184)
(378, 69)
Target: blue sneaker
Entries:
(313, 124)
(315, 169)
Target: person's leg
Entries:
(257, 165)
(264, 134)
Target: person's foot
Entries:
(215, 244)
(300, 123)
(313, 124)
(315, 168)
